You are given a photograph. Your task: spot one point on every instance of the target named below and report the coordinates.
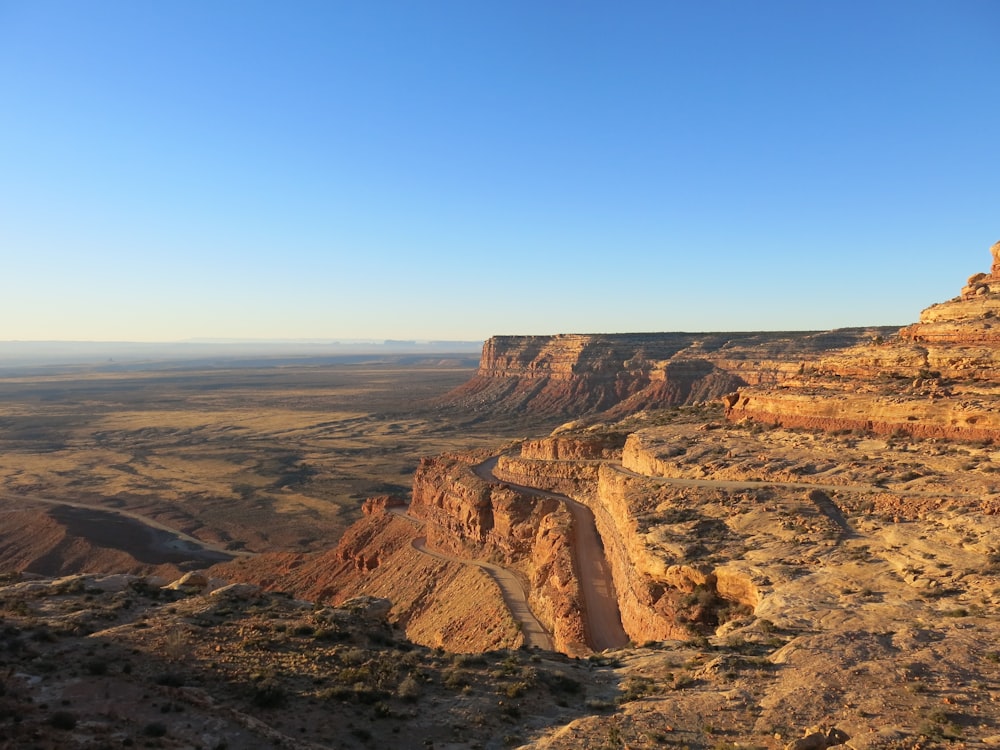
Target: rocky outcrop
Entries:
(562, 448)
(437, 602)
(571, 478)
(469, 517)
(936, 379)
(578, 374)
(660, 596)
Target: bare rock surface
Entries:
(812, 563)
(586, 374)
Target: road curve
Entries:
(600, 604)
(180, 544)
(514, 595)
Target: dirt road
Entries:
(603, 619)
(514, 596)
(146, 539)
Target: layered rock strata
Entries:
(581, 374)
(660, 596)
(469, 517)
(936, 379)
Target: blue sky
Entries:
(459, 169)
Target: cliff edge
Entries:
(573, 375)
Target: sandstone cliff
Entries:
(464, 515)
(575, 374)
(660, 594)
(937, 378)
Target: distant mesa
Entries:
(612, 375)
(935, 378)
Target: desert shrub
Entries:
(560, 683)
(636, 688)
(681, 681)
(269, 695)
(354, 675)
(155, 729)
(468, 660)
(62, 720)
(409, 689)
(455, 679)
(352, 655)
(516, 689)
(337, 693)
(330, 634)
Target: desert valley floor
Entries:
(772, 540)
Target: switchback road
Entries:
(602, 617)
(514, 596)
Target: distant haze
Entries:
(110, 355)
(451, 170)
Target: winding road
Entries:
(145, 538)
(514, 596)
(600, 605)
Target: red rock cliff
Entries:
(468, 517)
(937, 379)
(578, 374)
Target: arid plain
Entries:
(239, 457)
(746, 540)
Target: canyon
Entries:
(832, 514)
(771, 540)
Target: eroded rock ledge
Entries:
(584, 374)
(661, 594)
(936, 379)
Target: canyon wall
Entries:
(660, 596)
(936, 379)
(617, 374)
(468, 517)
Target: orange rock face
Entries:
(468, 517)
(935, 378)
(576, 374)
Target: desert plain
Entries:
(765, 540)
(242, 457)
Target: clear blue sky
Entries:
(459, 169)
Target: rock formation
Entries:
(464, 515)
(574, 374)
(936, 378)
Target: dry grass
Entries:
(264, 458)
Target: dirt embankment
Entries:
(436, 600)
(470, 518)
